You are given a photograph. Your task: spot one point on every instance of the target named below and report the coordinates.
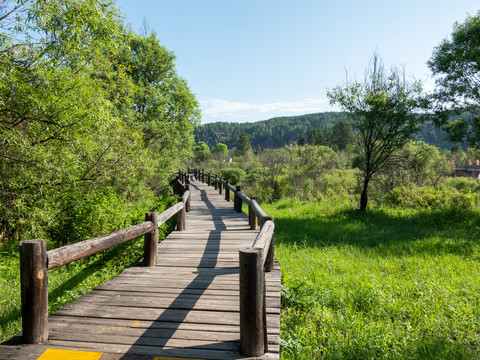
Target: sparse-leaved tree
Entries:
(384, 109)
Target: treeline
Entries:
(280, 131)
(273, 133)
(93, 119)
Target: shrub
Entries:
(234, 175)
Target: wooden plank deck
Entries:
(187, 306)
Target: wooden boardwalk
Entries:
(187, 306)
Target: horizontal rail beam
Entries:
(66, 254)
(264, 239)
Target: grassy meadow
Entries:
(387, 284)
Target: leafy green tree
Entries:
(384, 114)
(301, 140)
(163, 106)
(456, 62)
(342, 135)
(202, 151)
(243, 144)
(221, 149)
(72, 123)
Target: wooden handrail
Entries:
(35, 261)
(66, 254)
(264, 239)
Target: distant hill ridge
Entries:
(280, 131)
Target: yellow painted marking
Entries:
(136, 324)
(56, 354)
(109, 329)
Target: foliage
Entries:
(383, 111)
(243, 144)
(234, 175)
(416, 164)
(221, 148)
(338, 137)
(89, 112)
(282, 131)
(273, 133)
(202, 151)
(456, 62)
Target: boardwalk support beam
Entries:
(252, 327)
(238, 200)
(34, 291)
(252, 218)
(227, 191)
(150, 242)
(181, 217)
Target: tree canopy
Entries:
(456, 63)
(86, 108)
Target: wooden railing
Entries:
(35, 261)
(254, 261)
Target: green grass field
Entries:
(388, 284)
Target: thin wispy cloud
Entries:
(219, 108)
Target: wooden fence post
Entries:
(227, 191)
(34, 291)
(187, 205)
(208, 179)
(220, 186)
(216, 182)
(269, 257)
(181, 217)
(252, 218)
(252, 330)
(238, 201)
(150, 241)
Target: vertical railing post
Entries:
(220, 187)
(271, 248)
(216, 182)
(227, 191)
(252, 330)
(187, 205)
(196, 174)
(208, 179)
(181, 217)
(150, 241)
(238, 200)
(34, 291)
(203, 175)
(252, 218)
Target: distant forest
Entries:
(280, 131)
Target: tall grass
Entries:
(388, 284)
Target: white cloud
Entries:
(216, 108)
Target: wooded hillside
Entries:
(280, 131)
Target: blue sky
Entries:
(254, 60)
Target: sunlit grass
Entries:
(388, 284)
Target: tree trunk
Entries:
(364, 195)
